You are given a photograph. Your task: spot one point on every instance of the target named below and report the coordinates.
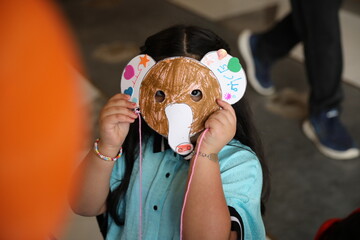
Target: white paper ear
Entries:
(133, 75)
(229, 72)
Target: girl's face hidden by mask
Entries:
(177, 96)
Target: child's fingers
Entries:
(223, 104)
(219, 122)
(227, 107)
(120, 96)
(118, 118)
(118, 110)
(120, 103)
(226, 115)
(223, 120)
(214, 123)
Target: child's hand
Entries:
(115, 119)
(222, 128)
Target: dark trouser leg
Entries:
(317, 22)
(278, 41)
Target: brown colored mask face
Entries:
(178, 80)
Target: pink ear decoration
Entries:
(133, 74)
(229, 73)
(221, 53)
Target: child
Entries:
(228, 185)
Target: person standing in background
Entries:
(316, 24)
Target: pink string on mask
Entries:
(137, 111)
(189, 183)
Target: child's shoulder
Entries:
(236, 149)
(235, 157)
(236, 146)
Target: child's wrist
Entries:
(106, 152)
(209, 150)
(211, 156)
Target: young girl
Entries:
(228, 184)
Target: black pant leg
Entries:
(277, 41)
(318, 25)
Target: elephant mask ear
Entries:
(229, 72)
(133, 74)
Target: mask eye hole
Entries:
(196, 95)
(159, 96)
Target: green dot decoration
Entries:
(234, 64)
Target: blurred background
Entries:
(307, 187)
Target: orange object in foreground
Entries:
(41, 124)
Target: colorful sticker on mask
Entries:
(133, 74)
(229, 73)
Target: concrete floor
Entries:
(307, 187)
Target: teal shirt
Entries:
(163, 188)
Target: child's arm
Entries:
(94, 173)
(206, 215)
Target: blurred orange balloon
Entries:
(41, 121)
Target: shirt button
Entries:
(167, 175)
(155, 207)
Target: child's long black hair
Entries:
(195, 42)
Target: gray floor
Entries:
(307, 187)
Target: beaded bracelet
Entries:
(103, 157)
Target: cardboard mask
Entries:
(177, 95)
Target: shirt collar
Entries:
(160, 143)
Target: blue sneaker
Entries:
(258, 72)
(330, 136)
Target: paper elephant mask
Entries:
(176, 95)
